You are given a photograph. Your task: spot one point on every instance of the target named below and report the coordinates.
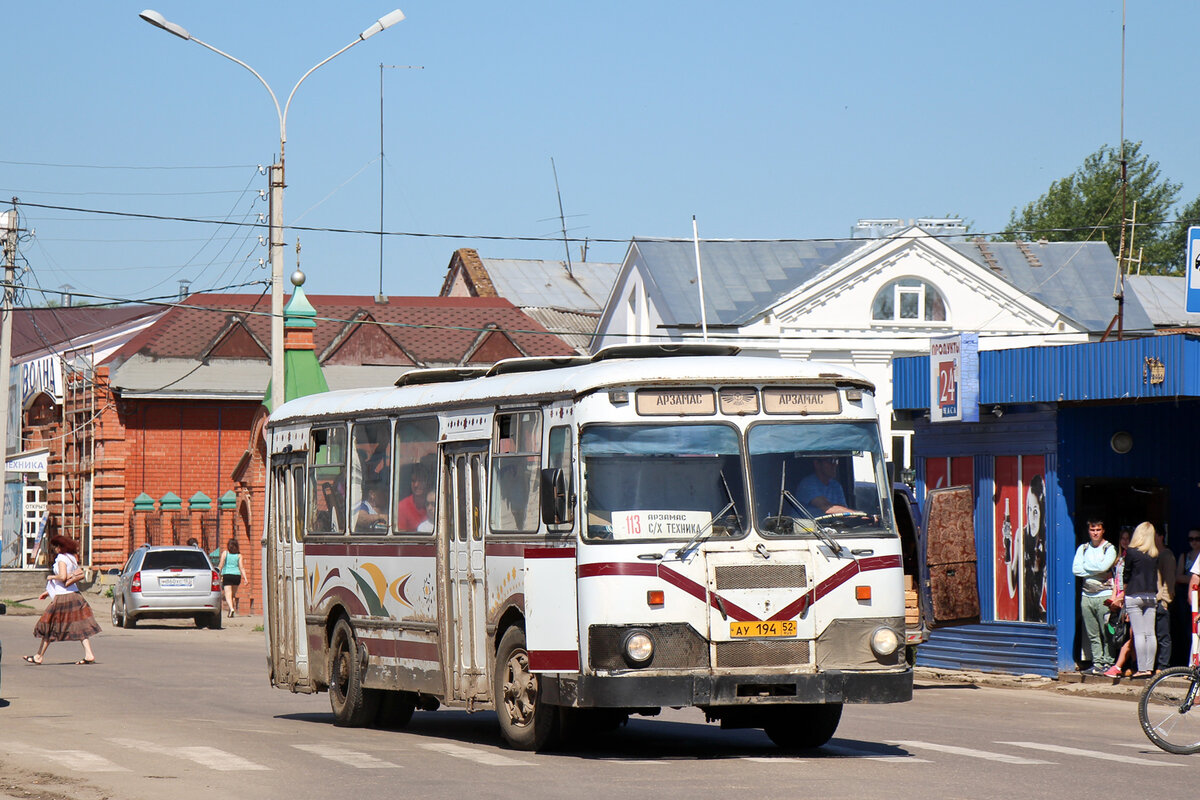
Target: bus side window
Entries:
(327, 481)
(559, 457)
(370, 476)
(516, 456)
(414, 490)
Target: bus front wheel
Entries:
(353, 706)
(526, 722)
(803, 727)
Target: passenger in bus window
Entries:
(410, 512)
(430, 511)
(371, 513)
(821, 491)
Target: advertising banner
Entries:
(954, 378)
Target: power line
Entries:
(126, 167)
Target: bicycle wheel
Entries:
(1169, 710)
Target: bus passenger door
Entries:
(283, 574)
(463, 487)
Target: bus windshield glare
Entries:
(666, 482)
(818, 475)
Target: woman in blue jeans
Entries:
(1141, 586)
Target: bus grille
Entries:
(676, 646)
(761, 576)
(762, 653)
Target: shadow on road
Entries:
(641, 739)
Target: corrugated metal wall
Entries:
(1097, 371)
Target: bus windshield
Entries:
(664, 482)
(816, 476)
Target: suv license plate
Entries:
(768, 628)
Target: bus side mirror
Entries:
(556, 504)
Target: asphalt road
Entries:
(172, 711)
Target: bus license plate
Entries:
(772, 627)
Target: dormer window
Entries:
(909, 299)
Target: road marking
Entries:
(478, 756)
(77, 760)
(1075, 751)
(351, 758)
(966, 751)
(208, 757)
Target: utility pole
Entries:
(8, 221)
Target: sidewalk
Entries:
(102, 609)
(1071, 683)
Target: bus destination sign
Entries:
(676, 402)
(801, 401)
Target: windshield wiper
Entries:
(825, 534)
(686, 550)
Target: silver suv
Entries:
(167, 582)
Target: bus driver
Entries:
(821, 491)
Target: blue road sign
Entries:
(1193, 270)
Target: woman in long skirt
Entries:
(68, 618)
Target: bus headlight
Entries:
(639, 648)
(884, 641)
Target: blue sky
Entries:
(765, 120)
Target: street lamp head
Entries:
(382, 24)
(159, 21)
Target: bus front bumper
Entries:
(630, 690)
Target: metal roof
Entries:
(741, 279)
(744, 279)
(574, 328)
(1074, 278)
(548, 284)
(1163, 297)
(1125, 370)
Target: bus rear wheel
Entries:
(803, 727)
(526, 722)
(353, 706)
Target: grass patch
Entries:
(258, 628)
(14, 603)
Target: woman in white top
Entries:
(68, 618)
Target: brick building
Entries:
(158, 445)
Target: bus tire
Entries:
(396, 709)
(526, 723)
(353, 706)
(803, 727)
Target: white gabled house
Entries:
(862, 303)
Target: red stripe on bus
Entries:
(835, 580)
(364, 549)
(602, 568)
(504, 548)
(402, 648)
(549, 552)
(352, 601)
(554, 660)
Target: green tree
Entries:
(1188, 216)
(1087, 205)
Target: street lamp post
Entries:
(275, 179)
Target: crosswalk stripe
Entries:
(351, 758)
(1075, 751)
(478, 756)
(76, 760)
(208, 757)
(966, 751)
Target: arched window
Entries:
(909, 299)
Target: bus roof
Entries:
(564, 378)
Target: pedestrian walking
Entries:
(68, 618)
(1165, 596)
(231, 574)
(1141, 590)
(1093, 563)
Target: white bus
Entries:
(570, 541)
